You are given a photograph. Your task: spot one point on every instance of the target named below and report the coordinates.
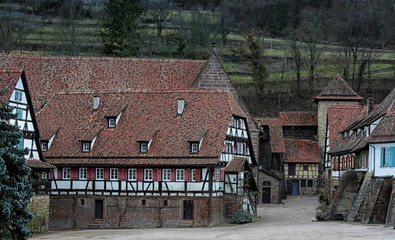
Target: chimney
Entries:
(96, 103)
(370, 105)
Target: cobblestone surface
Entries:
(295, 219)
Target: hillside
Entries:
(75, 30)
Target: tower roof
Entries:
(338, 89)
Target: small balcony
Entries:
(41, 187)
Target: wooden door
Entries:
(99, 209)
(266, 195)
(188, 210)
(295, 187)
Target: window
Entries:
(143, 202)
(147, 174)
(113, 173)
(18, 96)
(241, 148)
(305, 167)
(291, 169)
(82, 202)
(310, 183)
(194, 147)
(193, 175)
(229, 148)
(165, 203)
(44, 175)
(166, 175)
(112, 122)
(303, 183)
(44, 146)
(217, 174)
(180, 175)
(86, 146)
(66, 173)
(387, 157)
(99, 173)
(19, 113)
(132, 174)
(143, 147)
(83, 173)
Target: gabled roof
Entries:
(301, 151)
(8, 80)
(70, 115)
(236, 165)
(49, 75)
(384, 132)
(285, 119)
(339, 117)
(338, 89)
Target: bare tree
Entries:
(14, 29)
(160, 12)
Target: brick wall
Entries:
(69, 212)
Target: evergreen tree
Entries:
(120, 35)
(15, 189)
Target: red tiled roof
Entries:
(298, 118)
(385, 131)
(285, 119)
(338, 89)
(235, 165)
(49, 75)
(8, 80)
(277, 139)
(70, 115)
(339, 117)
(34, 163)
(301, 151)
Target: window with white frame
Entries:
(147, 174)
(66, 173)
(83, 173)
(143, 147)
(112, 122)
(194, 147)
(99, 173)
(387, 157)
(217, 174)
(86, 146)
(44, 146)
(180, 175)
(113, 173)
(193, 175)
(132, 174)
(18, 96)
(166, 175)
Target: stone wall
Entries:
(39, 207)
(276, 187)
(78, 212)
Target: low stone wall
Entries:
(39, 207)
(78, 212)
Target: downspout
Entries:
(374, 158)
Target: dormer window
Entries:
(44, 146)
(112, 122)
(143, 147)
(86, 146)
(194, 147)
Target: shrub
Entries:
(241, 217)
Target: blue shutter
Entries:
(382, 157)
(20, 144)
(392, 156)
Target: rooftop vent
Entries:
(96, 103)
(180, 107)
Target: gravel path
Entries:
(295, 219)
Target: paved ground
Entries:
(292, 220)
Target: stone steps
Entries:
(359, 199)
(390, 221)
(372, 201)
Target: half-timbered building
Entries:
(14, 91)
(141, 142)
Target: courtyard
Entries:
(294, 219)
